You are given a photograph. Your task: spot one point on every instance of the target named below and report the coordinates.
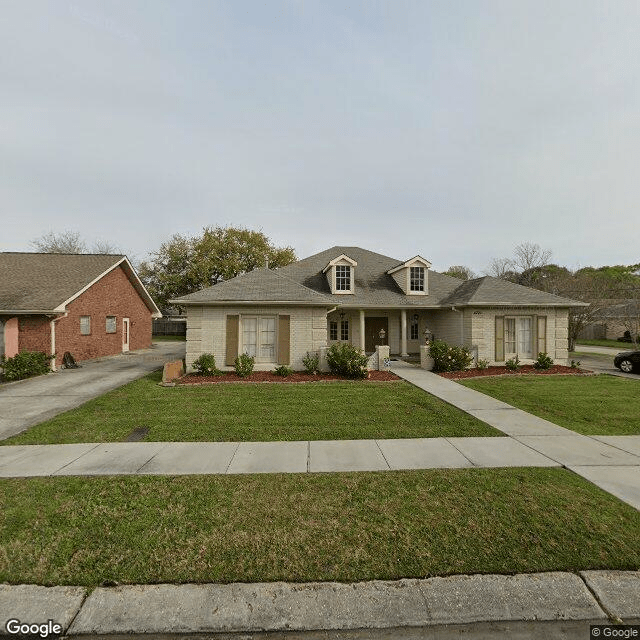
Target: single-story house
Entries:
(612, 321)
(365, 298)
(88, 305)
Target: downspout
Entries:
(52, 324)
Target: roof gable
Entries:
(47, 282)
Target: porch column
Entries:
(403, 333)
(362, 330)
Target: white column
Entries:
(403, 333)
(362, 329)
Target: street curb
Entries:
(330, 606)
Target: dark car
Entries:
(628, 361)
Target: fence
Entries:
(168, 327)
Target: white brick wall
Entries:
(206, 332)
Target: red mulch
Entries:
(502, 371)
(268, 376)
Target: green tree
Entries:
(460, 271)
(184, 264)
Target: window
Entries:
(85, 325)
(333, 330)
(413, 331)
(344, 330)
(518, 336)
(259, 337)
(111, 324)
(343, 278)
(416, 279)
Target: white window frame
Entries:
(333, 330)
(517, 338)
(258, 358)
(344, 331)
(349, 269)
(422, 280)
(85, 327)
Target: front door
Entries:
(125, 334)
(372, 327)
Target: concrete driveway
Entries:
(28, 402)
(600, 360)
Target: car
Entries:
(628, 361)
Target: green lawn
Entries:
(302, 527)
(593, 405)
(623, 346)
(258, 412)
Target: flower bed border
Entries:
(523, 370)
(268, 377)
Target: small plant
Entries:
(283, 371)
(205, 365)
(26, 364)
(449, 358)
(512, 364)
(575, 364)
(543, 362)
(482, 364)
(346, 360)
(244, 364)
(311, 362)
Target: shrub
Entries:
(512, 364)
(482, 364)
(311, 362)
(543, 361)
(244, 364)
(575, 364)
(346, 360)
(205, 365)
(449, 358)
(283, 371)
(26, 364)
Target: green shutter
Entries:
(534, 336)
(284, 332)
(542, 334)
(499, 338)
(233, 323)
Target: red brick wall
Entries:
(34, 334)
(113, 295)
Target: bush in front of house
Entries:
(25, 365)
(482, 364)
(205, 365)
(448, 357)
(283, 371)
(346, 360)
(244, 364)
(543, 362)
(512, 364)
(311, 362)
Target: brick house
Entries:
(353, 295)
(89, 305)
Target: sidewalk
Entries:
(590, 596)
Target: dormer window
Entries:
(340, 274)
(416, 279)
(343, 277)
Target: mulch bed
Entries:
(268, 376)
(525, 369)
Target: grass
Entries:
(258, 412)
(344, 527)
(592, 405)
(169, 339)
(623, 346)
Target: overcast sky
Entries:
(451, 129)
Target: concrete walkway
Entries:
(596, 597)
(28, 402)
(610, 462)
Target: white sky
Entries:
(451, 129)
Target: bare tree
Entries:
(70, 242)
(460, 271)
(500, 268)
(65, 242)
(529, 255)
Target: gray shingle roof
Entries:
(43, 281)
(494, 291)
(260, 285)
(303, 282)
